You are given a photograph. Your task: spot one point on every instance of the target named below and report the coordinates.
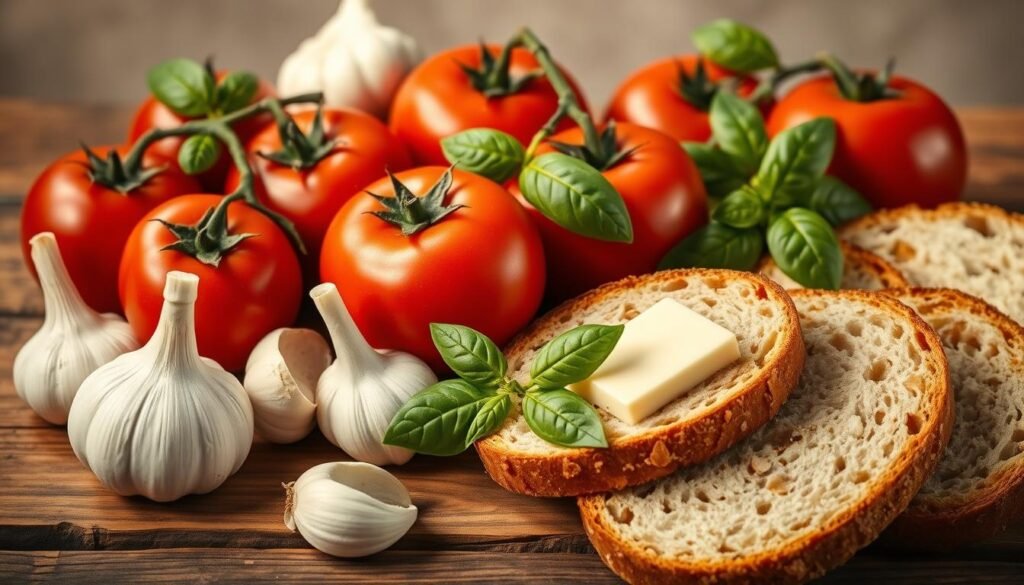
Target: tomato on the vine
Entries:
(91, 203)
(247, 287)
(453, 247)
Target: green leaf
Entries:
(235, 91)
(437, 420)
(574, 355)
(720, 174)
(804, 246)
(577, 197)
(739, 130)
(183, 86)
(492, 413)
(735, 46)
(717, 246)
(470, 354)
(743, 208)
(198, 153)
(491, 153)
(836, 201)
(563, 418)
(795, 160)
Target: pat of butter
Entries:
(663, 352)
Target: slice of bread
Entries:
(862, 270)
(698, 425)
(844, 456)
(978, 486)
(972, 247)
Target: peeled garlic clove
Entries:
(348, 509)
(73, 341)
(280, 379)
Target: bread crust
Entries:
(834, 543)
(853, 255)
(644, 457)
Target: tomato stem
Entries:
(770, 85)
(859, 87)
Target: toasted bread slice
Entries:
(978, 486)
(862, 270)
(698, 425)
(844, 456)
(973, 247)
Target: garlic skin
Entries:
(73, 341)
(359, 394)
(352, 59)
(161, 421)
(280, 379)
(348, 509)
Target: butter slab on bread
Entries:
(862, 270)
(701, 423)
(845, 455)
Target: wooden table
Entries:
(58, 524)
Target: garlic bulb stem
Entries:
(350, 347)
(174, 341)
(61, 299)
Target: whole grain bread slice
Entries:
(698, 425)
(862, 270)
(973, 247)
(978, 486)
(847, 453)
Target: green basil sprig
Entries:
(190, 89)
(198, 153)
(735, 46)
(491, 153)
(805, 247)
(449, 416)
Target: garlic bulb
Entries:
(73, 341)
(348, 509)
(352, 59)
(280, 379)
(162, 421)
(359, 394)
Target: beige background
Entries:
(97, 51)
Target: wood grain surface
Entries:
(57, 524)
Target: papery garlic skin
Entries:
(359, 394)
(161, 421)
(73, 341)
(280, 379)
(352, 59)
(349, 509)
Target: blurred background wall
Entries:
(97, 51)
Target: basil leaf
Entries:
(795, 160)
(717, 170)
(470, 354)
(491, 153)
(437, 420)
(716, 246)
(573, 355)
(743, 208)
(235, 91)
(198, 153)
(563, 418)
(492, 413)
(836, 201)
(577, 197)
(804, 246)
(183, 86)
(735, 46)
(738, 130)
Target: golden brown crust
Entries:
(955, 209)
(856, 259)
(658, 452)
(834, 543)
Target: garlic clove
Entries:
(280, 379)
(349, 509)
(73, 341)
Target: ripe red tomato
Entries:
(653, 96)
(438, 99)
(255, 289)
(310, 197)
(894, 151)
(665, 197)
(91, 221)
(481, 266)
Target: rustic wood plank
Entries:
(19, 294)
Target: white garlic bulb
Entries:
(73, 341)
(359, 394)
(348, 509)
(280, 379)
(161, 421)
(352, 59)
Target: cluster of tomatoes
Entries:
(486, 258)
